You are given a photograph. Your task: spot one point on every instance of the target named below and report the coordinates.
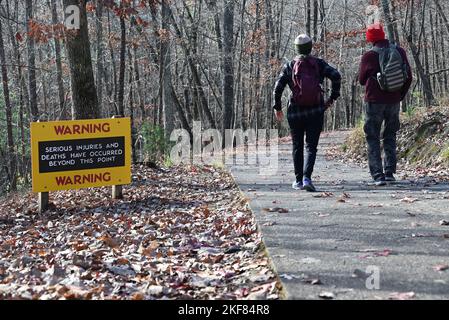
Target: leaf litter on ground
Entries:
(180, 233)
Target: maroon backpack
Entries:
(306, 83)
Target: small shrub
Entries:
(154, 146)
(445, 155)
(411, 111)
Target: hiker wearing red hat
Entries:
(386, 74)
(375, 33)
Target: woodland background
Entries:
(167, 63)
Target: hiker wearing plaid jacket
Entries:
(304, 76)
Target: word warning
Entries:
(80, 154)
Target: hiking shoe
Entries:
(297, 185)
(389, 177)
(308, 185)
(380, 182)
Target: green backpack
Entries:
(393, 69)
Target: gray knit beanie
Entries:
(303, 44)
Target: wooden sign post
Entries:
(80, 154)
(43, 201)
(117, 190)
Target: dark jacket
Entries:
(286, 78)
(369, 68)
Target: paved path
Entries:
(334, 238)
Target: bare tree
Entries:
(10, 139)
(31, 62)
(84, 94)
(228, 63)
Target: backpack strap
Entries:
(381, 52)
(314, 61)
(377, 49)
(295, 70)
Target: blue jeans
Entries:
(376, 114)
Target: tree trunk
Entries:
(100, 52)
(195, 74)
(59, 80)
(31, 63)
(428, 94)
(22, 92)
(139, 86)
(388, 22)
(112, 92)
(121, 78)
(44, 102)
(315, 20)
(441, 13)
(165, 65)
(84, 93)
(228, 64)
(8, 112)
(308, 17)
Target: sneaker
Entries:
(389, 177)
(308, 185)
(297, 185)
(380, 182)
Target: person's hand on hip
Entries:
(328, 104)
(279, 115)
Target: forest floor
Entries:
(336, 243)
(179, 233)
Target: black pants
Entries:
(309, 126)
(376, 114)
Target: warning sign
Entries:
(80, 154)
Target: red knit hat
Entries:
(374, 33)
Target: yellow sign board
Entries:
(80, 154)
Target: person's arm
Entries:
(280, 85)
(335, 77)
(364, 70)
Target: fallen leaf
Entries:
(278, 210)
(122, 261)
(289, 276)
(110, 242)
(409, 200)
(441, 267)
(138, 296)
(155, 290)
(384, 253)
(80, 246)
(313, 282)
(402, 296)
(327, 295)
(324, 195)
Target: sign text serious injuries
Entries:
(80, 154)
